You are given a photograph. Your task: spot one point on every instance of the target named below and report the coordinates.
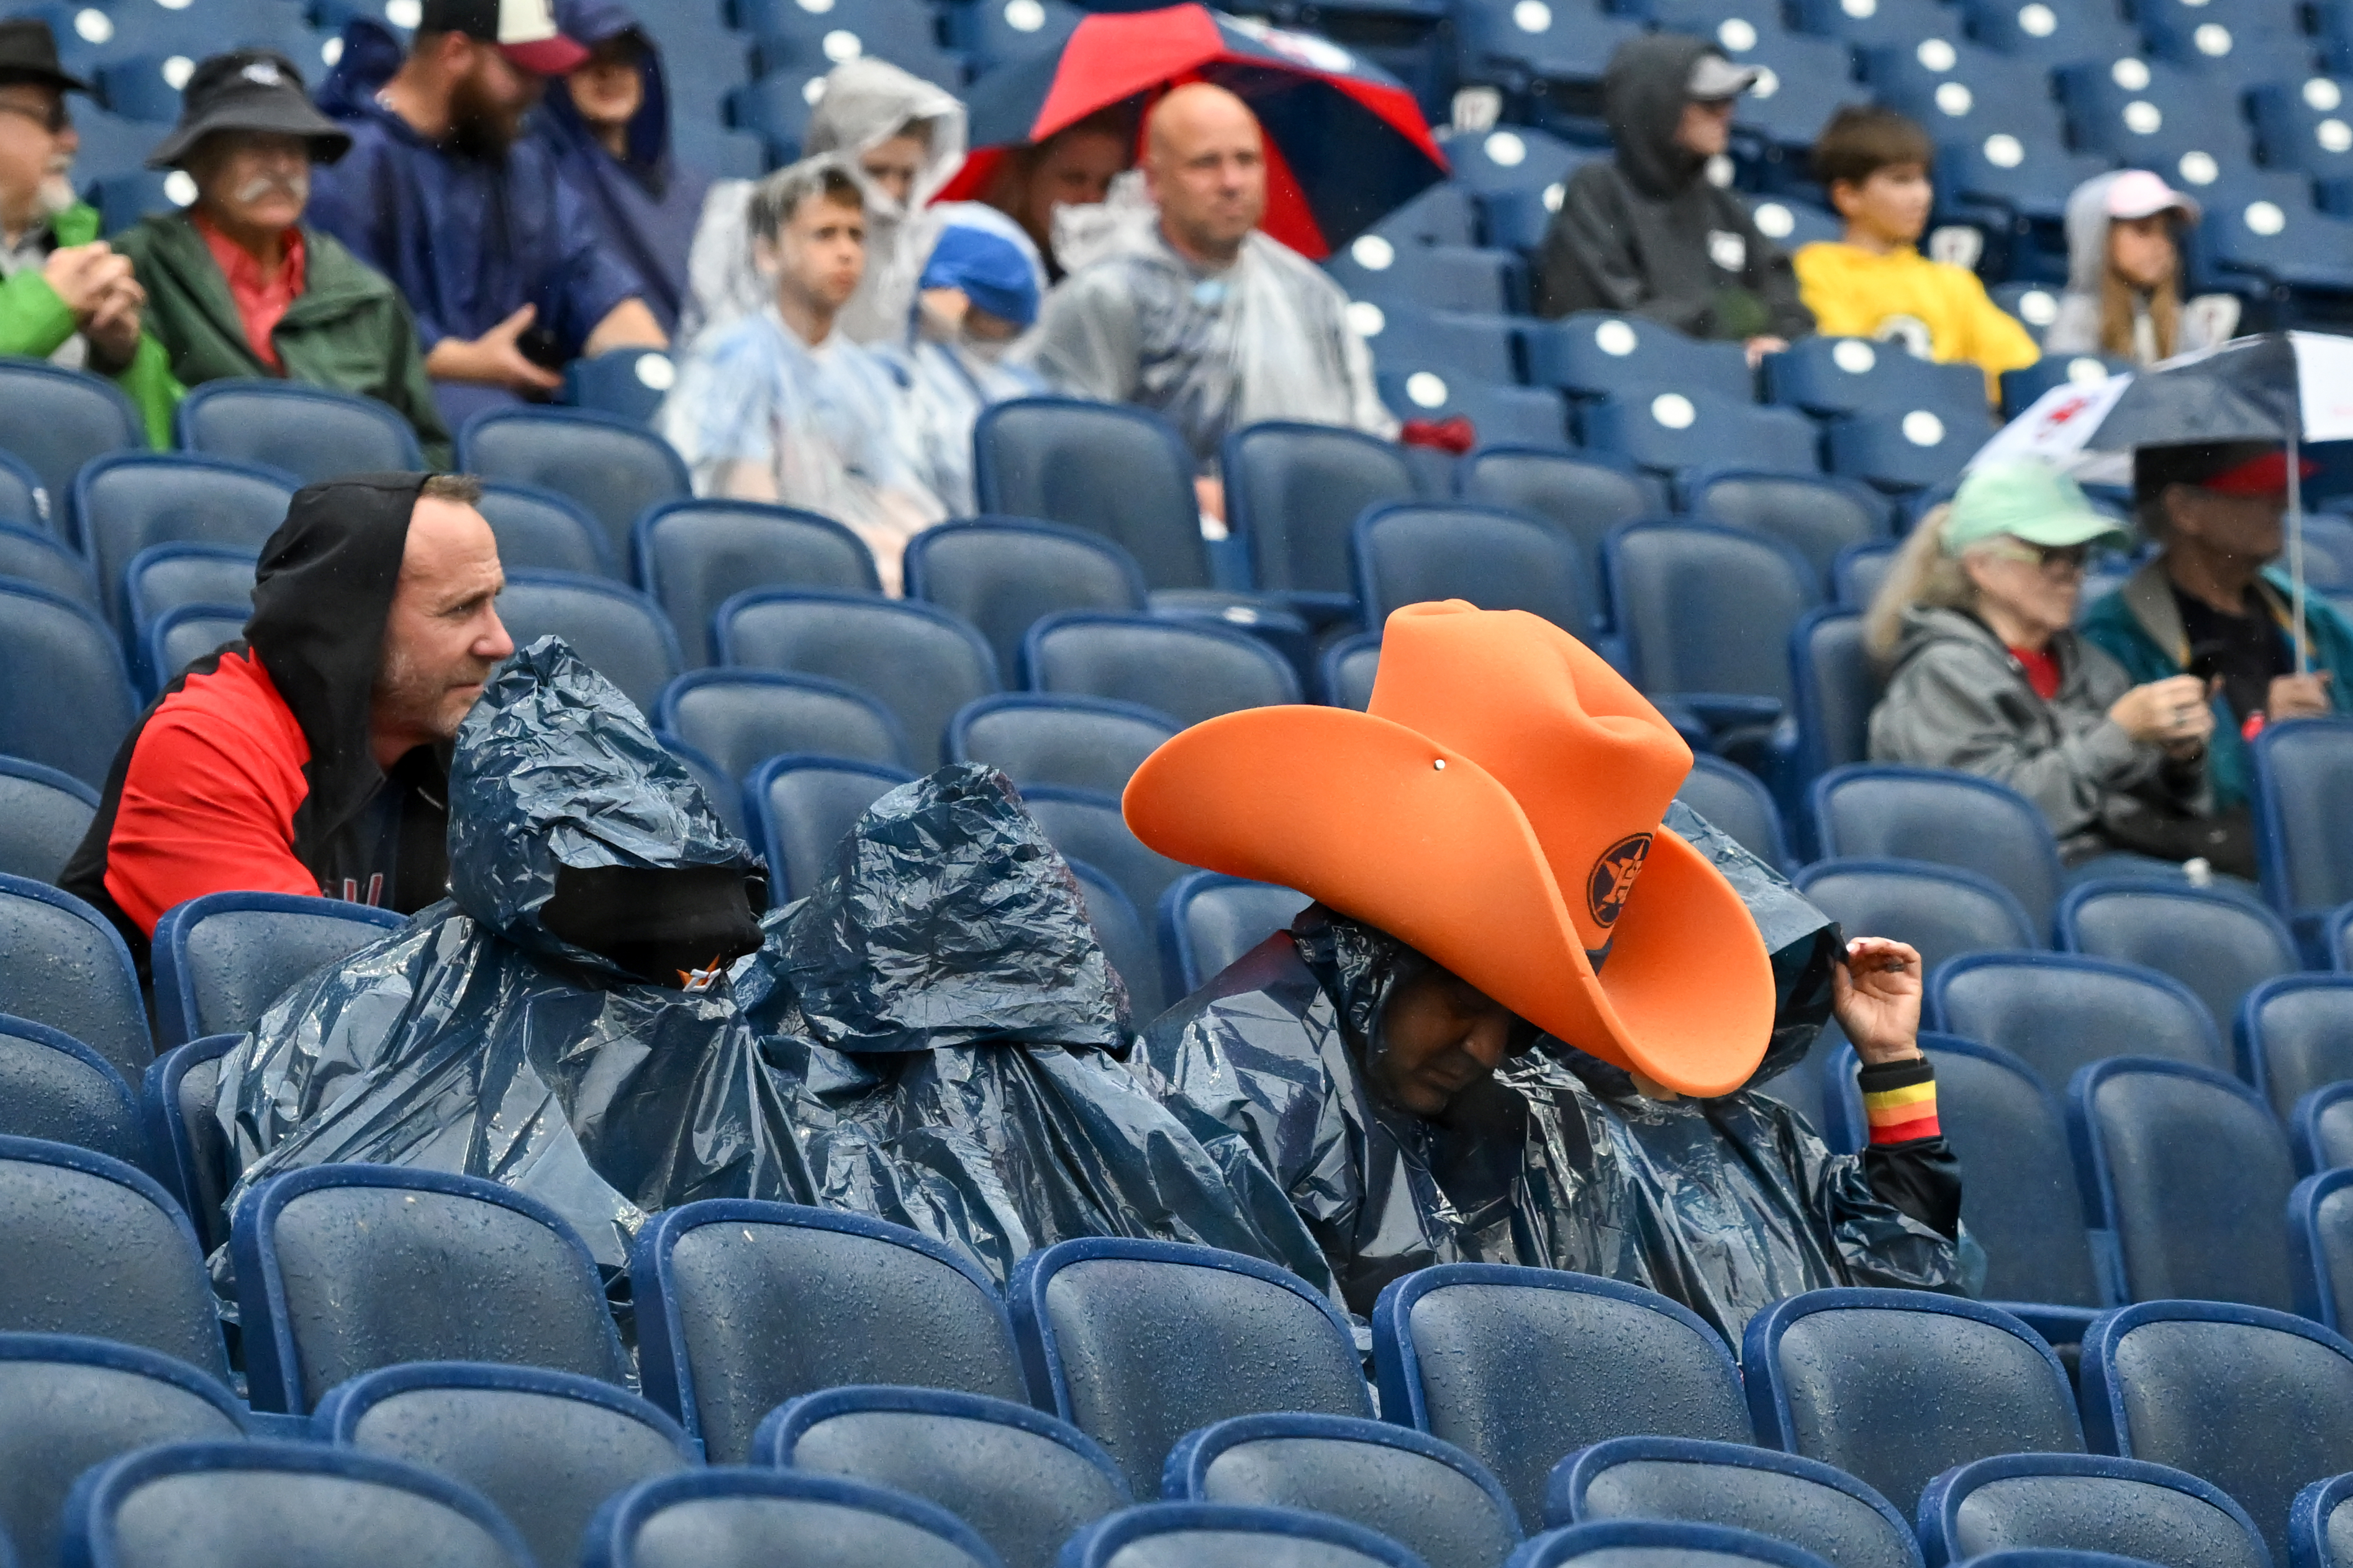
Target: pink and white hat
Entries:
(2137, 194)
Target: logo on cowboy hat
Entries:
(1606, 889)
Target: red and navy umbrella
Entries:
(1347, 144)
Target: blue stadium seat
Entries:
(307, 431)
(1911, 448)
(2050, 38)
(2085, 1502)
(1586, 493)
(2328, 553)
(1799, 1500)
(2292, 119)
(2019, 388)
(1211, 1535)
(100, 1250)
(1294, 492)
(2220, 946)
(179, 638)
(53, 1087)
(2035, 305)
(2322, 1125)
(2336, 939)
(692, 555)
(1961, 92)
(1026, 1481)
(1734, 799)
(920, 662)
(1523, 415)
(614, 469)
(2060, 1012)
(1943, 910)
(75, 1403)
(1594, 353)
(2260, 42)
(2147, 112)
(1406, 337)
(1077, 743)
(546, 1448)
(176, 1097)
(63, 964)
(1084, 826)
(1000, 32)
(1894, 1387)
(1440, 277)
(1882, 812)
(54, 421)
(1815, 516)
(1516, 176)
(1207, 920)
(1118, 471)
(1518, 1367)
(1803, 81)
(1866, 23)
(776, 108)
(123, 199)
(628, 384)
(1346, 670)
(1126, 943)
(747, 1518)
(165, 577)
(619, 632)
(2263, 229)
(1526, 47)
(1095, 1318)
(2317, 1523)
(2020, 184)
(1706, 613)
(720, 790)
(1443, 214)
(66, 700)
(208, 1505)
(24, 504)
(740, 718)
(1412, 552)
(539, 531)
(221, 960)
(1856, 574)
(43, 814)
(1430, 1497)
(742, 1305)
(1794, 224)
(799, 807)
(2320, 1246)
(1836, 684)
(2295, 1034)
(342, 1269)
(901, 31)
(2257, 1401)
(1190, 672)
(2304, 840)
(2192, 1172)
(1670, 431)
(1655, 1542)
(1003, 575)
(30, 554)
(1830, 376)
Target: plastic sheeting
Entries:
(1556, 1162)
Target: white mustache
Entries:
(297, 186)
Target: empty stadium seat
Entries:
(619, 632)
(124, 503)
(63, 964)
(178, 637)
(1516, 174)
(1293, 492)
(2317, 1523)
(1208, 919)
(1075, 742)
(24, 504)
(2220, 946)
(1912, 449)
(1441, 276)
(1495, 411)
(539, 531)
(1083, 826)
(2019, 388)
(693, 555)
(1734, 800)
(1894, 1387)
(43, 816)
(167, 577)
(1209, 1535)
(1188, 671)
(1114, 471)
(2192, 1172)
(748, 1518)
(1004, 574)
(628, 383)
(53, 1087)
(1497, 560)
(2139, 110)
(1802, 1501)
(2265, 228)
(2320, 1246)
(221, 960)
(1594, 353)
(2294, 1035)
(1659, 1542)
(800, 807)
(1518, 1367)
(1943, 910)
(1584, 493)
(1856, 574)
(100, 1250)
(55, 420)
(2085, 1502)
(613, 468)
(307, 431)
(1346, 670)
(1836, 685)
(1877, 811)
(742, 1305)
(2303, 841)
(740, 718)
(2060, 1012)
(1706, 613)
(215, 1505)
(998, 32)
(342, 1269)
(2257, 1401)
(1672, 431)
(1125, 940)
(546, 1448)
(66, 701)
(191, 1152)
(920, 662)
(1024, 1481)
(1815, 516)
(32, 555)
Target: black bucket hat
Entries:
(248, 89)
(28, 52)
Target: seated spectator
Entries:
(1988, 676)
(2213, 609)
(780, 407)
(443, 193)
(2124, 275)
(1875, 283)
(238, 285)
(1073, 168)
(608, 130)
(311, 757)
(979, 292)
(1195, 313)
(67, 298)
(1647, 231)
(1486, 1043)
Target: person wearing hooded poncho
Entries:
(595, 1017)
(1527, 1019)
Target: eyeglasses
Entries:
(2046, 557)
(56, 119)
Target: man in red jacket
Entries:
(312, 756)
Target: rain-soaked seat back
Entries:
(2059, 1012)
(1217, 1535)
(1207, 920)
(742, 1305)
(758, 1518)
(1791, 1498)
(1518, 1367)
(54, 1086)
(344, 1269)
(63, 964)
(221, 960)
(2085, 1502)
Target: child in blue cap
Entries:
(978, 294)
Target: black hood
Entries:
(1642, 95)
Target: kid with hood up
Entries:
(2123, 268)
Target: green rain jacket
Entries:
(349, 330)
(35, 323)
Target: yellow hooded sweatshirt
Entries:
(1904, 296)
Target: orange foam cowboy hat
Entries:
(1498, 809)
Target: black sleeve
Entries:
(1920, 1177)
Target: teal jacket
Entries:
(35, 323)
(2140, 627)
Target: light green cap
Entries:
(2027, 499)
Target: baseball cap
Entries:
(1714, 78)
(2137, 194)
(2228, 467)
(523, 30)
(2025, 499)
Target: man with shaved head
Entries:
(1195, 313)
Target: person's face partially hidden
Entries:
(1074, 169)
(610, 90)
(442, 636)
(1440, 1036)
(1706, 126)
(489, 101)
(896, 164)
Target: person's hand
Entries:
(1875, 996)
(113, 326)
(2297, 696)
(1759, 347)
(82, 276)
(1210, 495)
(493, 359)
(2174, 713)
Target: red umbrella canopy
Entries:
(1346, 144)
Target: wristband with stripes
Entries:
(1899, 1100)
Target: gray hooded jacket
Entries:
(2206, 321)
(1645, 232)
